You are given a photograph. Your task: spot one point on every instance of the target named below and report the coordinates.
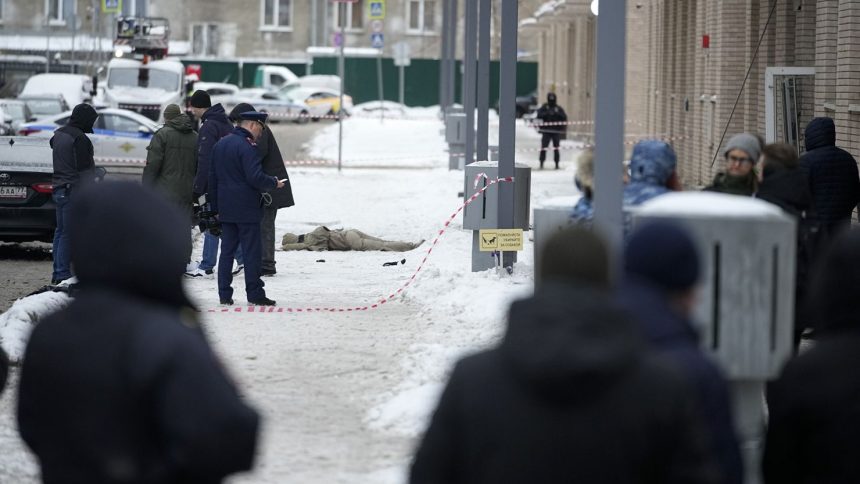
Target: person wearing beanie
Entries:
(739, 178)
(171, 164)
(214, 125)
(661, 276)
(121, 384)
(652, 173)
(813, 422)
(74, 166)
(552, 126)
(273, 164)
(570, 394)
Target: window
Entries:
(58, 10)
(204, 39)
(422, 16)
(113, 122)
(135, 8)
(352, 13)
(276, 14)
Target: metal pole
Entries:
(48, 46)
(452, 53)
(483, 141)
(443, 55)
(402, 81)
(342, 71)
(379, 77)
(609, 121)
(470, 41)
(507, 121)
(314, 22)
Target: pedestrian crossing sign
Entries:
(377, 10)
(111, 6)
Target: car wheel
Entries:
(303, 117)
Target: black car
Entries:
(27, 211)
(525, 104)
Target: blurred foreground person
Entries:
(661, 278)
(121, 385)
(570, 395)
(814, 419)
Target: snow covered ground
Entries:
(346, 395)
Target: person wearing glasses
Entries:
(236, 186)
(739, 176)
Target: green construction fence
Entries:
(421, 77)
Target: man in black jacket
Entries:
(552, 126)
(833, 176)
(571, 394)
(814, 420)
(273, 164)
(73, 166)
(121, 385)
(214, 125)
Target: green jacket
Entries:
(171, 160)
(734, 185)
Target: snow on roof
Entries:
(63, 43)
(348, 51)
(710, 205)
(528, 21)
(545, 8)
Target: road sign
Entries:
(376, 25)
(377, 9)
(337, 39)
(111, 6)
(501, 240)
(401, 54)
(377, 40)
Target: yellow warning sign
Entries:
(506, 240)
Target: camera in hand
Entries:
(205, 218)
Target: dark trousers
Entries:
(544, 143)
(248, 237)
(267, 229)
(60, 252)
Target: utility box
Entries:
(483, 213)
(748, 256)
(455, 136)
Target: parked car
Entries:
(314, 80)
(278, 108)
(45, 105)
(14, 113)
(26, 208)
(525, 105)
(74, 88)
(119, 137)
(318, 96)
(219, 92)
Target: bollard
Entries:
(455, 136)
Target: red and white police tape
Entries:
(383, 300)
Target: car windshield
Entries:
(14, 111)
(45, 107)
(143, 77)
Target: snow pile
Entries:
(709, 204)
(17, 323)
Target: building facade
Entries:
(697, 69)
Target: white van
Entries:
(74, 88)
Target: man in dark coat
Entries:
(661, 275)
(570, 395)
(73, 166)
(215, 125)
(273, 164)
(833, 176)
(236, 187)
(171, 163)
(121, 385)
(552, 126)
(814, 420)
(784, 184)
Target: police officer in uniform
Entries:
(236, 185)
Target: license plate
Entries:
(13, 192)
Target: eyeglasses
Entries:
(739, 160)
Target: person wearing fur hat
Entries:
(171, 162)
(739, 178)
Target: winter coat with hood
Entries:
(832, 172)
(215, 125)
(121, 385)
(171, 160)
(553, 115)
(674, 337)
(73, 150)
(570, 395)
(814, 416)
(652, 166)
